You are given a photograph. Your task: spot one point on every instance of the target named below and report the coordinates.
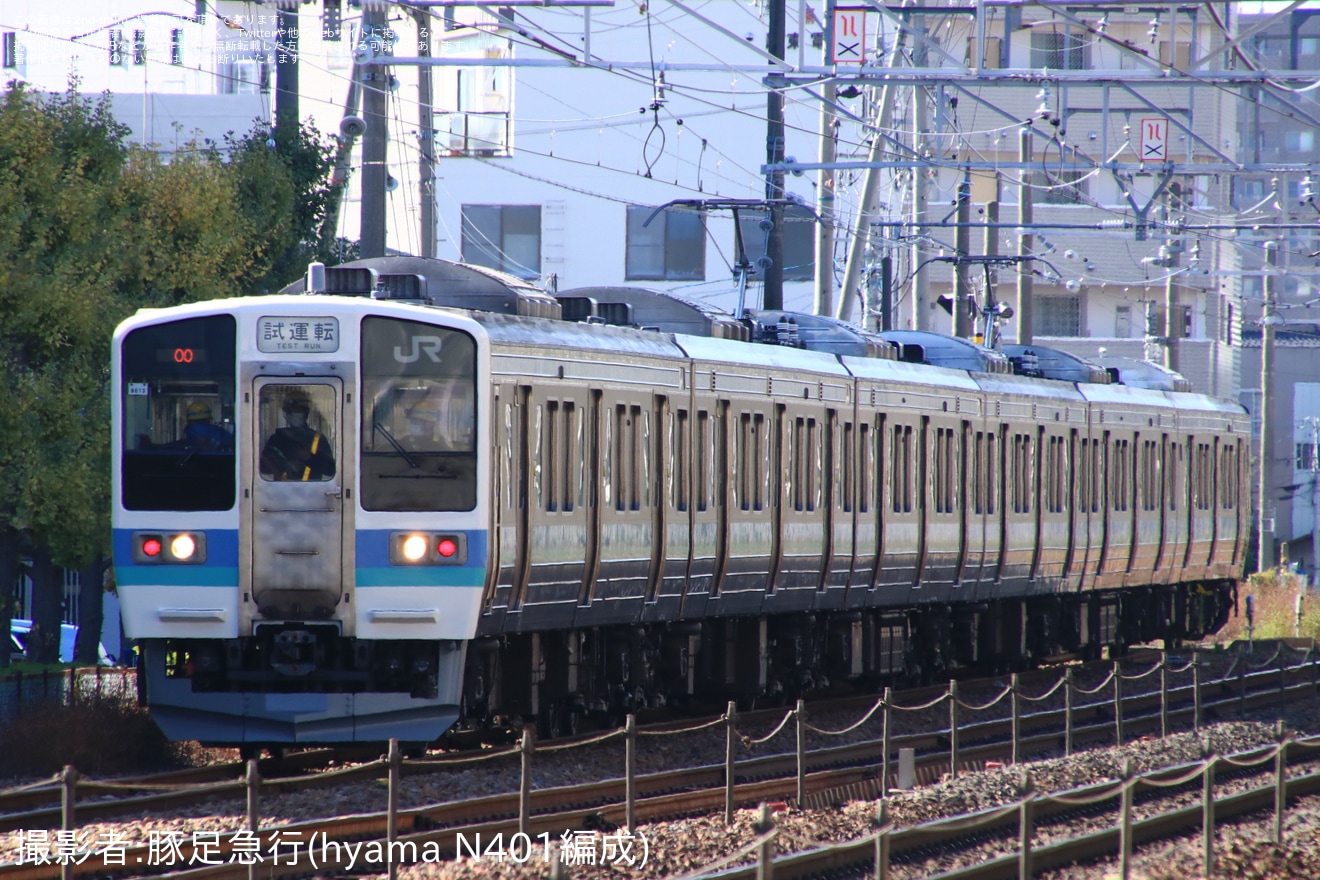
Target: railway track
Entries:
(831, 774)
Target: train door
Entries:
(1072, 481)
(721, 499)
(963, 504)
(297, 505)
(922, 495)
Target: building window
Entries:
(1059, 315)
(1060, 187)
(1305, 456)
(139, 48)
(671, 248)
(1299, 141)
(1228, 324)
(1057, 50)
(1123, 322)
(176, 46)
(503, 237)
(10, 50)
(116, 47)
(799, 240)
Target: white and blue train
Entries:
(426, 492)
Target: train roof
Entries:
(538, 332)
(766, 356)
(922, 347)
(901, 371)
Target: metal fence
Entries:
(19, 690)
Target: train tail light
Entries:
(446, 547)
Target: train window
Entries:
(704, 451)
(552, 453)
(795, 469)
(758, 470)
(1228, 477)
(296, 424)
(943, 482)
(1149, 475)
(419, 425)
(622, 452)
(978, 473)
(1022, 474)
(991, 470)
(813, 465)
(864, 467)
(679, 460)
(849, 451)
(1084, 477)
(903, 463)
(572, 457)
(178, 415)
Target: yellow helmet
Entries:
(199, 412)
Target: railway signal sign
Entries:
(1154, 139)
(849, 40)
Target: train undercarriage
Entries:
(560, 679)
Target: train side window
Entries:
(703, 459)
(849, 451)
(571, 460)
(813, 465)
(621, 451)
(759, 470)
(1084, 477)
(744, 461)
(680, 460)
(795, 465)
(864, 467)
(550, 490)
(991, 479)
(642, 475)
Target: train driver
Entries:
(201, 433)
(297, 451)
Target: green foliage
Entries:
(1274, 594)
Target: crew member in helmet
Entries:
(201, 433)
(297, 451)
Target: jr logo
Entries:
(428, 344)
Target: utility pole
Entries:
(990, 249)
(425, 136)
(375, 143)
(921, 316)
(1026, 241)
(824, 304)
(286, 72)
(868, 208)
(962, 238)
(1265, 555)
(773, 278)
(1172, 326)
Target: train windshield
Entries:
(178, 415)
(418, 417)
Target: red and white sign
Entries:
(1154, 139)
(849, 46)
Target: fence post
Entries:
(1067, 711)
(525, 783)
(1118, 704)
(953, 729)
(730, 719)
(765, 862)
(1026, 827)
(1280, 780)
(1017, 717)
(801, 714)
(884, 745)
(1196, 690)
(392, 816)
(882, 840)
(1164, 695)
(68, 820)
(253, 807)
(630, 769)
(1208, 808)
(1125, 822)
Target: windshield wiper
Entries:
(412, 462)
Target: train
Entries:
(517, 506)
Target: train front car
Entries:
(299, 516)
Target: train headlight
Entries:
(414, 548)
(169, 548)
(183, 547)
(427, 548)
